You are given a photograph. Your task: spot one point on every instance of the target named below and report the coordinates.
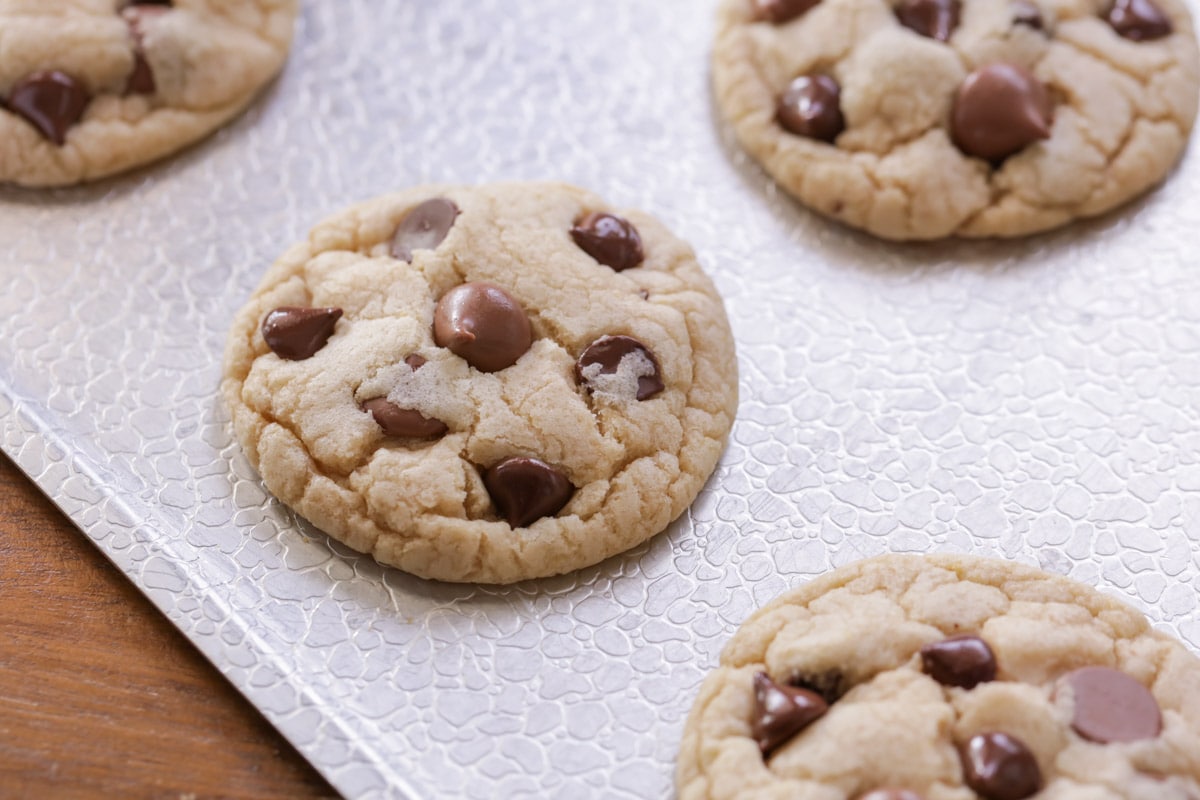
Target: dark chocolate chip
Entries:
(1027, 13)
(1111, 706)
(1000, 767)
(781, 11)
(423, 228)
(1138, 20)
(526, 489)
(604, 357)
(405, 422)
(935, 19)
(890, 794)
(483, 324)
(780, 712)
(50, 101)
(810, 108)
(296, 333)
(609, 239)
(965, 661)
(137, 16)
(1000, 109)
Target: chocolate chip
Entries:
(781, 11)
(609, 239)
(999, 110)
(1111, 706)
(415, 362)
(423, 228)
(890, 794)
(964, 661)
(483, 324)
(780, 712)
(137, 16)
(1025, 12)
(526, 489)
(297, 333)
(404, 422)
(606, 355)
(1000, 767)
(935, 19)
(810, 108)
(50, 101)
(1138, 20)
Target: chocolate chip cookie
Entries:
(485, 384)
(946, 678)
(89, 88)
(924, 119)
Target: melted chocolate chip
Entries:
(1000, 109)
(1138, 20)
(424, 227)
(604, 357)
(1026, 12)
(482, 324)
(609, 239)
(1111, 706)
(526, 489)
(1000, 767)
(781, 11)
(890, 794)
(138, 16)
(297, 333)
(780, 712)
(810, 108)
(935, 19)
(50, 101)
(965, 661)
(404, 422)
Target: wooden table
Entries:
(99, 695)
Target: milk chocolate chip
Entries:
(965, 661)
(297, 333)
(1027, 13)
(810, 108)
(935, 19)
(423, 228)
(781, 11)
(999, 110)
(1000, 767)
(609, 239)
(50, 101)
(890, 794)
(605, 356)
(526, 489)
(138, 16)
(403, 422)
(780, 712)
(483, 324)
(1138, 20)
(1111, 706)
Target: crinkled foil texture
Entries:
(1037, 400)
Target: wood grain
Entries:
(100, 696)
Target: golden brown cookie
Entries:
(89, 88)
(485, 383)
(946, 678)
(923, 119)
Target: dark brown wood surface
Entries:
(100, 696)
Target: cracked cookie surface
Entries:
(90, 88)
(485, 383)
(1121, 108)
(945, 678)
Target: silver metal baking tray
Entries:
(1038, 400)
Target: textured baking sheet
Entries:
(1036, 400)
